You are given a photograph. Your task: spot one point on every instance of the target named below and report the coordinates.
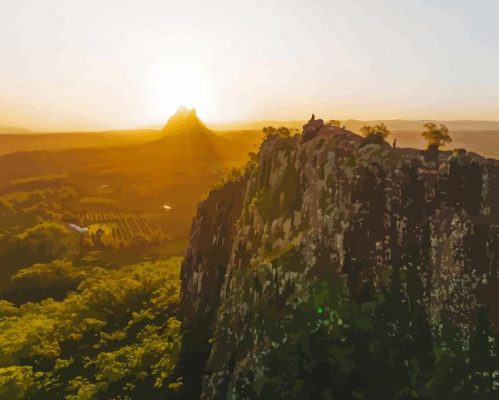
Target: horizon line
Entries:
(21, 130)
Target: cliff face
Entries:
(420, 226)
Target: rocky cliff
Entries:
(328, 255)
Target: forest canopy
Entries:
(115, 336)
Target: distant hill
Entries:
(184, 121)
(415, 125)
(178, 164)
(227, 144)
(354, 124)
(478, 136)
(251, 137)
(12, 142)
(13, 129)
(257, 125)
(139, 189)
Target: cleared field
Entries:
(126, 228)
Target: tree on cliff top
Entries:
(281, 131)
(375, 134)
(334, 122)
(269, 130)
(436, 136)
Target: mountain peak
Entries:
(184, 120)
(183, 111)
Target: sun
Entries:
(179, 84)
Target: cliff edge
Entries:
(334, 267)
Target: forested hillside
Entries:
(133, 199)
(89, 281)
(115, 335)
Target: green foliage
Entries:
(324, 344)
(281, 131)
(116, 336)
(40, 202)
(16, 382)
(41, 243)
(281, 200)
(375, 134)
(436, 136)
(50, 240)
(334, 122)
(31, 225)
(7, 309)
(330, 346)
(467, 370)
(34, 213)
(41, 281)
(269, 130)
(234, 175)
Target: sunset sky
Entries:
(100, 64)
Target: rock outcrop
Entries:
(184, 120)
(311, 128)
(325, 207)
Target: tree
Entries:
(283, 131)
(114, 337)
(436, 136)
(48, 241)
(269, 130)
(375, 134)
(334, 122)
(41, 281)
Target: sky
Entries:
(110, 64)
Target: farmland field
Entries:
(125, 228)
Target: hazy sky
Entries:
(72, 64)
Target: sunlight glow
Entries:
(175, 85)
(91, 64)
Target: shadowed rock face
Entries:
(311, 128)
(202, 276)
(328, 208)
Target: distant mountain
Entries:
(257, 125)
(478, 136)
(179, 166)
(251, 137)
(416, 125)
(355, 125)
(184, 121)
(190, 138)
(10, 143)
(141, 184)
(13, 129)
